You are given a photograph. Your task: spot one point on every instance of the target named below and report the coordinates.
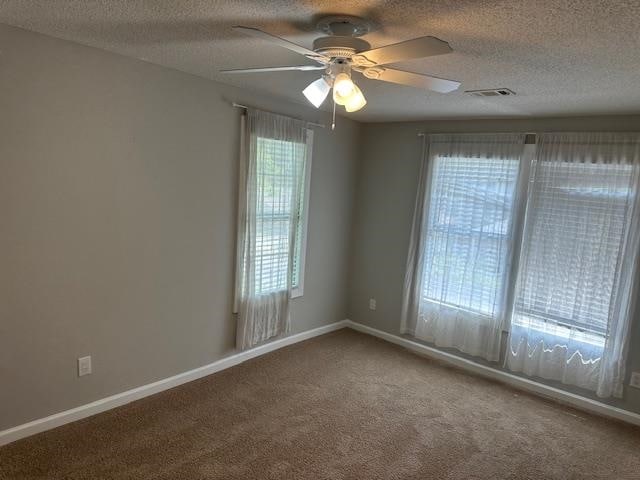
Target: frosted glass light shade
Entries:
(317, 91)
(340, 99)
(355, 101)
(343, 84)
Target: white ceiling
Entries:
(562, 57)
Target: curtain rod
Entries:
(320, 125)
(530, 137)
(422, 134)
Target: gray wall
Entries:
(118, 184)
(387, 182)
(117, 220)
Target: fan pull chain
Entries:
(333, 119)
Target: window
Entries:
(571, 312)
(467, 232)
(462, 241)
(273, 201)
(279, 200)
(578, 216)
(558, 263)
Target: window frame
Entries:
(298, 290)
(513, 262)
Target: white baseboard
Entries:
(83, 411)
(561, 396)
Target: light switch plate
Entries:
(372, 304)
(84, 366)
(635, 380)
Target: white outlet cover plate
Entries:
(84, 366)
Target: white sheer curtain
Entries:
(572, 303)
(461, 241)
(273, 155)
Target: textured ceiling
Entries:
(562, 57)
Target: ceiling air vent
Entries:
(491, 92)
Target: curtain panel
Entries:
(572, 302)
(455, 289)
(273, 155)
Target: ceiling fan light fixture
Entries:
(343, 84)
(339, 99)
(342, 53)
(355, 101)
(317, 91)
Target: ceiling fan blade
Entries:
(417, 48)
(412, 79)
(254, 32)
(302, 68)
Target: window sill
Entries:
(296, 293)
(558, 332)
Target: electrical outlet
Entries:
(84, 366)
(372, 304)
(635, 380)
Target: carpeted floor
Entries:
(341, 406)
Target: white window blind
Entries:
(277, 190)
(577, 225)
(468, 230)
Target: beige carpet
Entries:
(341, 406)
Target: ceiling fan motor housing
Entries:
(340, 47)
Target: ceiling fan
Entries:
(342, 53)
